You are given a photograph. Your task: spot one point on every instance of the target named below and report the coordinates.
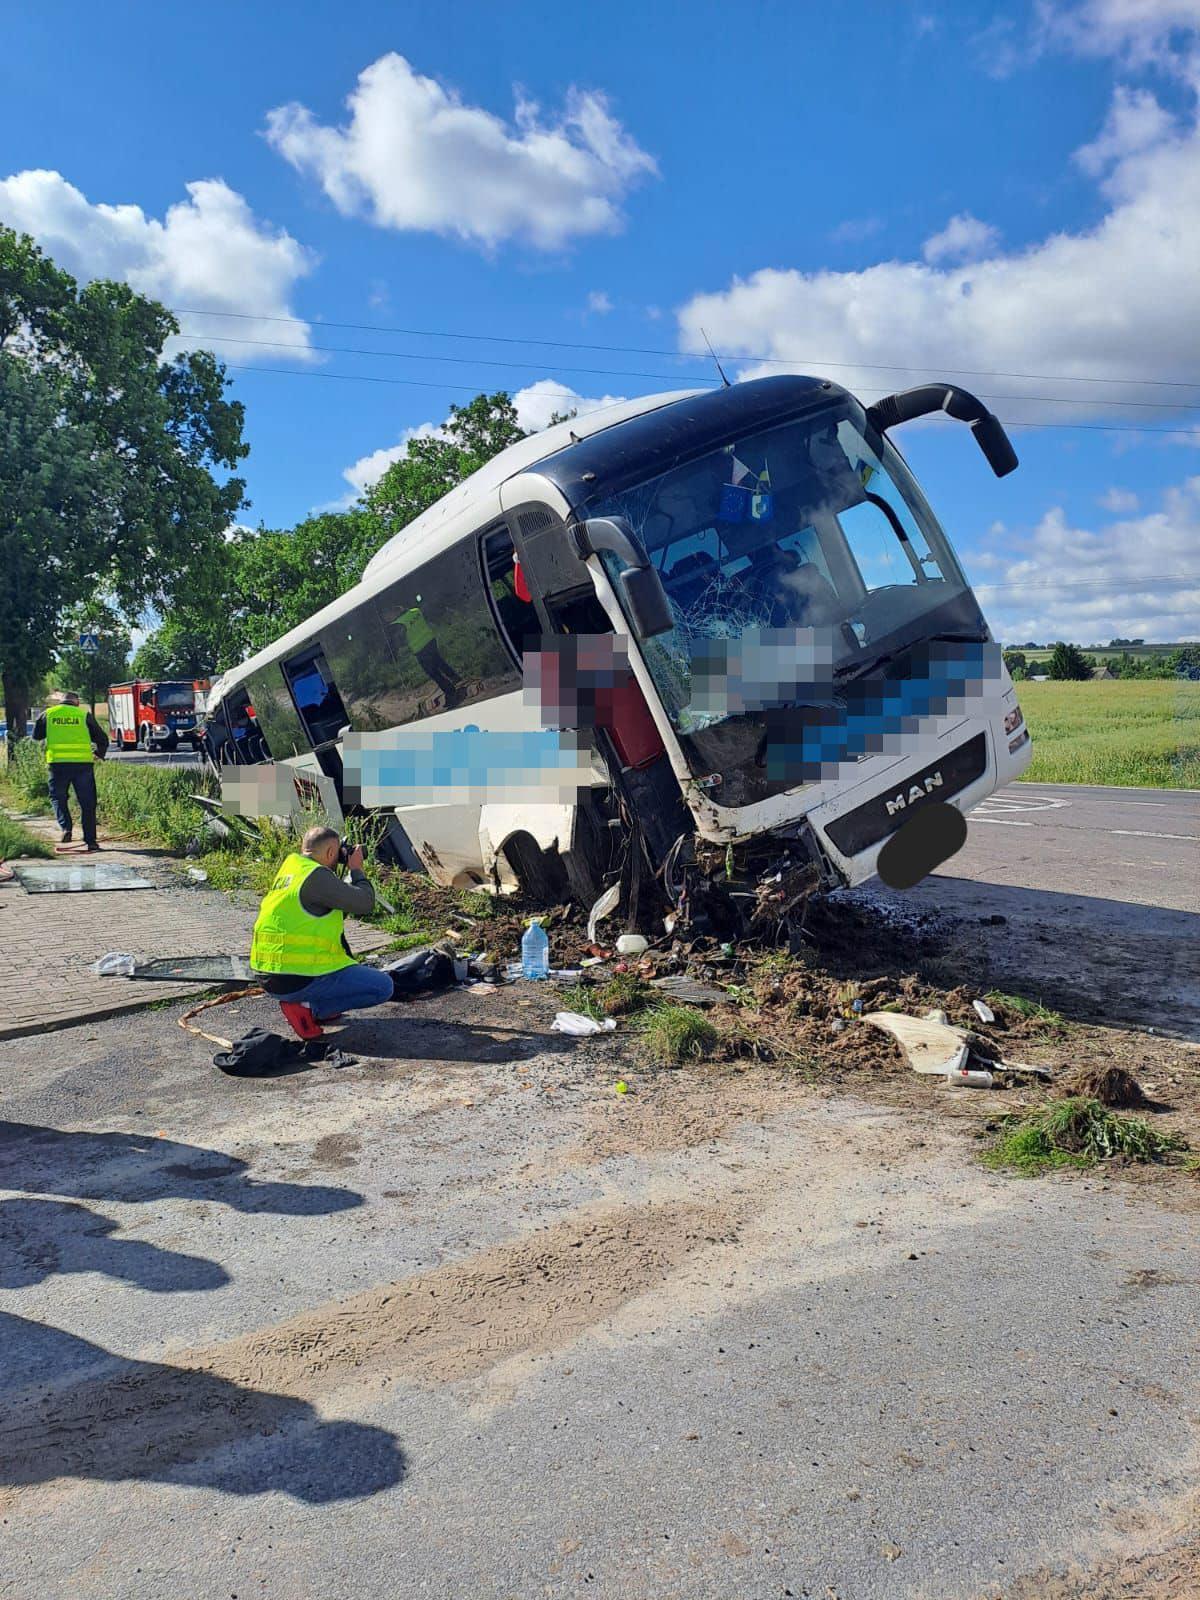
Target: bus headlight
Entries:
(1013, 720)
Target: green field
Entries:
(1125, 731)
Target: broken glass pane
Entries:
(82, 879)
(196, 969)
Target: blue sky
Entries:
(1006, 191)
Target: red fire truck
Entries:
(153, 716)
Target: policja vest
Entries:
(289, 939)
(67, 737)
(417, 632)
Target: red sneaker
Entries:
(300, 1019)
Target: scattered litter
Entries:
(1023, 1068)
(591, 961)
(970, 1079)
(95, 877)
(535, 951)
(621, 1087)
(669, 923)
(937, 1016)
(197, 875)
(983, 1011)
(604, 906)
(514, 970)
(482, 988)
(259, 1053)
(573, 1022)
(116, 964)
(929, 1045)
(690, 990)
(632, 944)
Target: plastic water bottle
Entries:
(535, 952)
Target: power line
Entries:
(663, 377)
(474, 388)
(1132, 584)
(649, 350)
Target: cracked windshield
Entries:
(796, 549)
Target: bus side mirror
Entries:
(641, 584)
(957, 403)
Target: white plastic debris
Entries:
(983, 1011)
(631, 944)
(937, 1016)
(604, 906)
(116, 964)
(575, 1023)
(929, 1045)
(197, 875)
(970, 1079)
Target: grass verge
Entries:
(17, 841)
(1076, 1132)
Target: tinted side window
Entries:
(316, 696)
(276, 713)
(365, 670)
(444, 637)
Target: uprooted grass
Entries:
(17, 841)
(1051, 1023)
(674, 1035)
(1077, 1132)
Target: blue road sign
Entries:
(89, 642)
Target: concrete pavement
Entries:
(461, 1321)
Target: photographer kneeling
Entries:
(299, 951)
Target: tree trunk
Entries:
(16, 710)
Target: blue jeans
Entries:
(348, 989)
(81, 774)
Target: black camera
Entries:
(344, 853)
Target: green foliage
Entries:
(1077, 1132)
(1068, 663)
(17, 841)
(1052, 1022)
(107, 457)
(25, 777)
(152, 803)
(675, 1035)
(75, 668)
(1017, 663)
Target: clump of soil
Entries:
(1111, 1085)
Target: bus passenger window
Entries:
(316, 696)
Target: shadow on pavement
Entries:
(119, 1420)
(40, 1238)
(137, 1167)
(409, 1038)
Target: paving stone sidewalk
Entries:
(48, 942)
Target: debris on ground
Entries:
(575, 1023)
(115, 964)
(928, 1043)
(690, 991)
(1111, 1085)
(1077, 1132)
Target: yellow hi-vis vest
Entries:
(67, 738)
(289, 939)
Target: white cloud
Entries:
(1142, 31)
(534, 406)
(1133, 578)
(209, 253)
(964, 238)
(1120, 300)
(1135, 122)
(599, 302)
(1121, 502)
(414, 156)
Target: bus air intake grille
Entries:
(536, 522)
(868, 824)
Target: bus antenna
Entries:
(713, 354)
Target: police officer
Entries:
(74, 740)
(298, 949)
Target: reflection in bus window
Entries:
(518, 618)
(316, 696)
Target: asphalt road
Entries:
(460, 1321)
(1088, 899)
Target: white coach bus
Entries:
(809, 667)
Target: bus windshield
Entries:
(803, 546)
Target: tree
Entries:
(77, 669)
(1017, 664)
(107, 458)
(1069, 663)
(1185, 662)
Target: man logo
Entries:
(917, 791)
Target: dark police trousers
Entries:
(82, 776)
